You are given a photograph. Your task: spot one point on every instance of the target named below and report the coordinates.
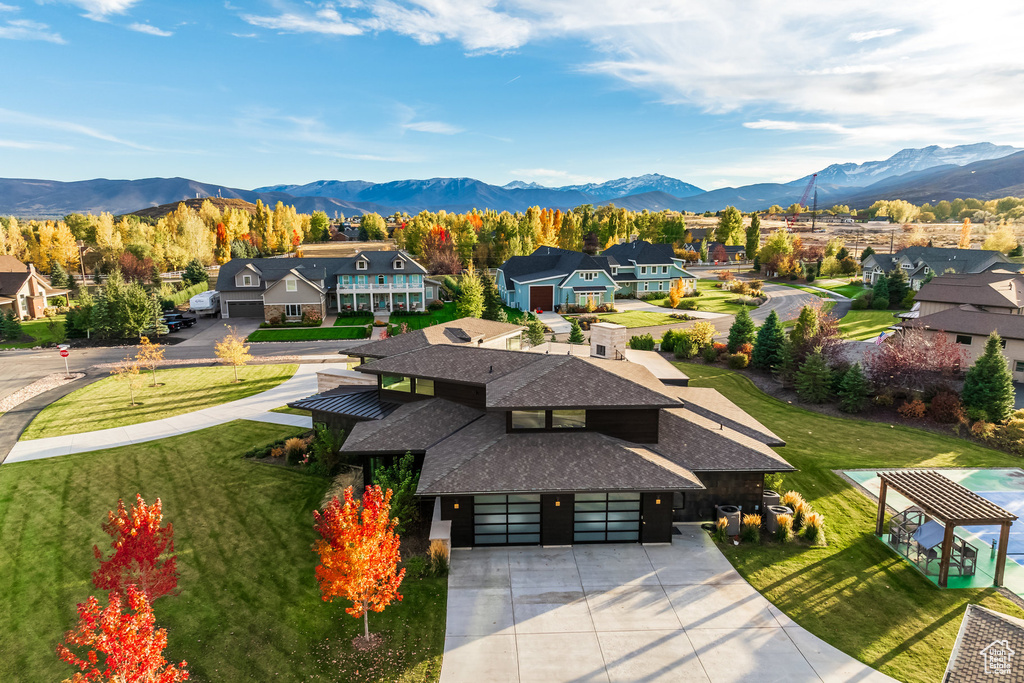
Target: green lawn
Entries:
(711, 299)
(308, 334)
(105, 404)
(855, 594)
(38, 330)
(640, 318)
(249, 607)
(863, 325)
(291, 411)
(803, 288)
(841, 286)
(348, 320)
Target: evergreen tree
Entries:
(492, 300)
(11, 328)
(868, 251)
(730, 226)
(768, 345)
(194, 273)
(898, 287)
(988, 385)
(534, 331)
(853, 390)
(401, 477)
(753, 236)
(704, 250)
(576, 333)
(813, 379)
(880, 294)
(806, 327)
(59, 277)
(471, 301)
(742, 331)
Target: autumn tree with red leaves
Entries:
(119, 647)
(359, 553)
(439, 251)
(139, 543)
(914, 361)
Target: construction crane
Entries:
(803, 199)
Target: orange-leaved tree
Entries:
(675, 292)
(121, 647)
(143, 551)
(359, 553)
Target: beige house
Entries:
(25, 291)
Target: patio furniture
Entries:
(940, 504)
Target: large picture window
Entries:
(293, 310)
(568, 419)
(425, 386)
(396, 383)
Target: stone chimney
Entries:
(608, 341)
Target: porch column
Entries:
(947, 551)
(880, 522)
(1004, 541)
(391, 301)
(337, 295)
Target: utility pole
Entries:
(81, 258)
(892, 235)
(814, 210)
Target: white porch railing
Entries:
(389, 287)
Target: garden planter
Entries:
(771, 515)
(732, 514)
(769, 498)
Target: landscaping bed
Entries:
(855, 594)
(249, 607)
(309, 334)
(37, 333)
(105, 404)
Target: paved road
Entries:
(785, 301)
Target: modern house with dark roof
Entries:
(523, 448)
(920, 262)
(551, 277)
(25, 291)
(969, 307)
(288, 288)
(729, 252)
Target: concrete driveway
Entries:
(612, 613)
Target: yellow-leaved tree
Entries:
(149, 356)
(127, 371)
(232, 350)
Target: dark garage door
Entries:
(506, 520)
(245, 309)
(542, 298)
(606, 517)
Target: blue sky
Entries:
(255, 92)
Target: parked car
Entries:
(158, 330)
(172, 319)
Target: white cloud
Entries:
(151, 30)
(23, 144)
(327, 21)
(25, 29)
(99, 10)
(474, 23)
(871, 35)
(439, 127)
(8, 8)
(766, 124)
(30, 120)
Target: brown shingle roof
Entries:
(703, 445)
(711, 404)
(443, 333)
(415, 426)
(9, 264)
(983, 633)
(11, 282)
(967, 319)
(944, 499)
(991, 288)
(482, 458)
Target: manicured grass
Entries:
(841, 286)
(308, 334)
(856, 593)
(640, 318)
(38, 330)
(803, 288)
(291, 411)
(249, 607)
(106, 403)
(866, 324)
(711, 299)
(418, 322)
(349, 320)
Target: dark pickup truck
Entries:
(176, 321)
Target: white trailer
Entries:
(205, 303)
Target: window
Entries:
(399, 279)
(247, 280)
(514, 343)
(664, 270)
(360, 265)
(601, 350)
(430, 292)
(615, 270)
(568, 419)
(588, 277)
(293, 311)
(528, 419)
(399, 264)
(643, 270)
(661, 286)
(396, 383)
(424, 387)
(964, 339)
(1018, 366)
(291, 285)
(381, 279)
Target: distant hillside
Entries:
(222, 203)
(652, 201)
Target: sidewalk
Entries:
(256, 408)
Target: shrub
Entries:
(709, 354)
(946, 408)
(790, 499)
(773, 481)
(439, 559)
(814, 528)
(277, 452)
(644, 342)
(746, 349)
(860, 304)
(685, 349)
(912, 410)
(800, 511)
(688, 305)
(982, 429)
(668, 340)
(402, 477)
(725, 275)
(720, 348)
(416, 567)
(884, 400)
(738, 361)
(294, 449)
(435, 305)
(974, 414)
(750, 529)
(323, 450)
(721, 533)
(784, 528)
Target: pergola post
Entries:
(947, 551)
(1004, 542)
(880, 522)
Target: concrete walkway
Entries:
(557, 323)
(256, 408)
(624, 612)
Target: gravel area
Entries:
(39, 386)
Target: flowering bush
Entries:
(784, 528)
(750, 530)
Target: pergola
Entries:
(950, 503)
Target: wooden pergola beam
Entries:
(880, 522)
(947, 552)
(1004, 542)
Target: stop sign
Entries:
(64, 353)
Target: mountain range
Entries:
(982, 170)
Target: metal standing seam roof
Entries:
(363, 402)
(944, 499)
